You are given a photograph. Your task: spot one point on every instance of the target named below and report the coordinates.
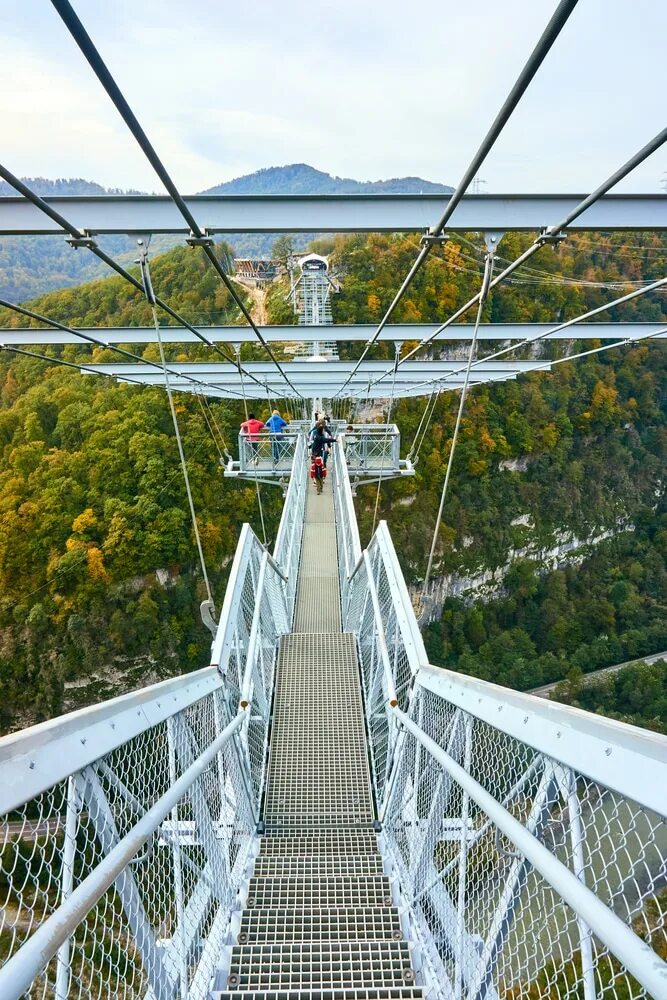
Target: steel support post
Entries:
(178, 872)
(463, 858)
(579, 868)
(100, 814)
(67, 882)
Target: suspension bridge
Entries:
(320, 813)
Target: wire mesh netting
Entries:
(491, 925)
(161, 922)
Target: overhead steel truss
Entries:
(315, 380)
(355, 332)
(334, 213)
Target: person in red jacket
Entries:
(251, 428)
(318, 473)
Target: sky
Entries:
(370, 90)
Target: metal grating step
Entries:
(358, 993)
(333, 843)
(344, 965)
(315, 892)
(327, 924)
(319, 867)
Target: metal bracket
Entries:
(548, 236)
(492, 239)
(85, 240)
(430, 239)
(200, 241)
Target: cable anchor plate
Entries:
(205, 240)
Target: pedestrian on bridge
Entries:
(321, 441)
(250, 428)
(276, 424)
(318, 473)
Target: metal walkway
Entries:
(319, 920)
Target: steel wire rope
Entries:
(87, 338)
(259, 498)
(215, 424)
(150, 298)
(210, 428)
(530, 68)
(103, 74)
(80, 238)
(484, 291)
(661, 282)
(548, 235)
(397, 348)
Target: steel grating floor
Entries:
(319, 921)
(318, 597)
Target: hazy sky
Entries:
(369, 90)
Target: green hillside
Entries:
(92, 502)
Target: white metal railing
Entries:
(527, 840)
(265, 451)
(287, 550)
(127, 828)
(371, 448)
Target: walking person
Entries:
(250, 428)
(276, 424)
(320, 442)
(318, 473)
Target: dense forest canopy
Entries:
(92, 502)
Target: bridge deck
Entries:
(319, 911)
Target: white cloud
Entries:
(366, 90)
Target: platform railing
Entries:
(127, 828)
(527, 839)
(265, 451)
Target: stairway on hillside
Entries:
(319, 919)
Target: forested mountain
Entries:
(92, 502)
(30, 266)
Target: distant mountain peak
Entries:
(301, 178)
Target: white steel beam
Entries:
(17, 336)
(334, 213)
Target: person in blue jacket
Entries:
(276, 425)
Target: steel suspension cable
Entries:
(419, 427)
(661, 282)
(210, 428)
(535, 60)
(484, 291)
(150, 297)
(87, 338)
(550, 234)
(199, 237)
(82, 239)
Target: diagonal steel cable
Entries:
(484, 291)
(549, 234)
(80, 238)
(87, 338)
(99, 67)
(535, 60)
(150, 298)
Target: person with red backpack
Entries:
(318, 473)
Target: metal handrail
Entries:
(21, 969)
(380, 636)
(649, 970)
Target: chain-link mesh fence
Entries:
(490, 923)
(157, 930)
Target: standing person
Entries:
(350, 442)
(276, 424)
(250, 428)
(318, 473)
(320, 442)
